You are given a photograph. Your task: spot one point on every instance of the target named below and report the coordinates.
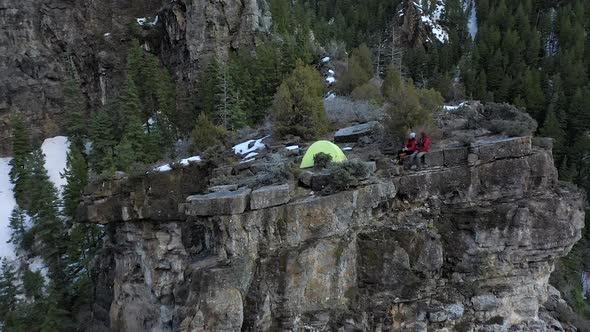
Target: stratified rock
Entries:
(466, 246)
(270, 196)
(218, 203)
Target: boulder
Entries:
(352, 134)
(504, 148)
(305, 178)
(269, 196)
(319, 181)
(219, 203)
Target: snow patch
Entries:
(107, 34)
(251, 155)
(453, 107)
(292, 147)
(56, 154)
(7, 204)
(249, 146)
(142, 21)
(347, 148)
(326, 59)
(183, 163)
(330, 80)
(433, 20)
(330, 96)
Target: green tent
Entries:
(326, 147)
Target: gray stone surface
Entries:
(352, 134)
(219, 203)
(270, 196)
(305, 178)
(470, 245)
(454, 157)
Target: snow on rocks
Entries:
(432, 20)
(330, 79)
(56, 154)
(7, 204)
(249, 146)
(144, 22)
(183, 163)
(326, 59)
(292, 147)
(453, 107)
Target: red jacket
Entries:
(410, 145)
(424, 144)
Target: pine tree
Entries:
(534, 97)
(9, 289)
(551, 128)
(125, 155)
(229, 104)
(18, 229)
(43, 194)
(48, 227)
(76, 175)
(103, 142)
(208, 89)
(579, 115)
(21, 148)
(359, 71)
(75, 110)
(33, 283)
(298, 107)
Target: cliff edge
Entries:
(467, 244)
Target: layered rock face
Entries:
(466, 244)
(43, 43)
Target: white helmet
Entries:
(413, 135)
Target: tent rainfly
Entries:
(326, 147)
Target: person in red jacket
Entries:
(409, 148)
(421, 149)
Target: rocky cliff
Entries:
(467, 244)
(43, 43)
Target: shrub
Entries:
(206, 134)
(217, 155)
(359, 71)
(367, 91)
(409, 107)
(276, 175)
(346, 175)
(322, 160)
(298, 107)
(508, 120)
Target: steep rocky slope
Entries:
(468, 243)
(42, 43)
